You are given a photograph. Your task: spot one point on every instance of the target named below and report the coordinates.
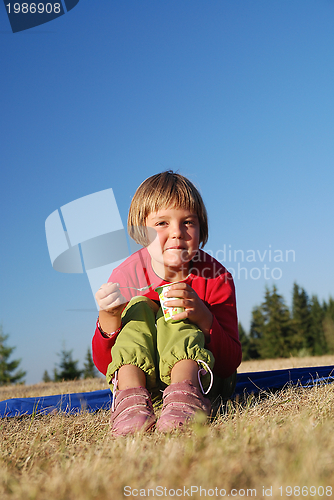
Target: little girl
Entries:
(138, 350)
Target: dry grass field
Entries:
(280, 445)
(283, 363)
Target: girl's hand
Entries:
(194, 308)
(110, 299)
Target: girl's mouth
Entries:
(176, 248)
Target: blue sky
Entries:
(236, 95)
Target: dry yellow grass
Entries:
(52, 388)
(283, 363)
(278, 441)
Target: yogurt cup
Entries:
(168, 311)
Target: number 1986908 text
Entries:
(33, 8)
(305, 491)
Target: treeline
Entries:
(277, 331)
(68, 369)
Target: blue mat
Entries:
(247, 383)
(277, 379)
(67, 403)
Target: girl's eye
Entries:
(161, 223)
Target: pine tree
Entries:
(89, 367)
(277, 331)
(68, 367)
(256, 333)
(302, 335)
(8, 367)
(328, 325)
(317, 313)
(329, 308)
(46, 376)
(244, 339)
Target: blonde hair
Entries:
(165, 190)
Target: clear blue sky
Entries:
(236, 95)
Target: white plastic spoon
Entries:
(139, 289)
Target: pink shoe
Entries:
(181, 402)
(132, 412)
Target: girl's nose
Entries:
(176, 231)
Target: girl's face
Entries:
(173, 234)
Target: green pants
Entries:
(155, 345)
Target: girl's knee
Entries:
(140, 309)
(141, 303)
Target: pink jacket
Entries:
(212, 283)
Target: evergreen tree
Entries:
(328, 325)
(302, 334)
(277, 331)
(68, 367)
(46, 377)
(89, 367)
(317, 313)
(244, 339)
(274, 332)
(256, 333)
(329, 308)
(8, 367)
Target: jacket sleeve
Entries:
(101, 346)
(101, 350)
(224, 337)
